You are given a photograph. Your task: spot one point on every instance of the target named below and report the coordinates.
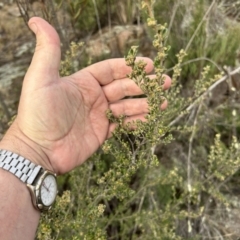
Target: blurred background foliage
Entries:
(189, 189)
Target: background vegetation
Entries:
(177, 176)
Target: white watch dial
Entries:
(48, 190)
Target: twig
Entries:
(199, 25)
(189, 108)
(97, 17)
(189, 177)
(138, 211)
(197, 60)
(173, 15)
(23, 10)
(57, 25)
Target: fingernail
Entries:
(33, 27)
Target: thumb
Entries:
(44, 68)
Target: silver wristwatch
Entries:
(41, 183)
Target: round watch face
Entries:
(48, 190)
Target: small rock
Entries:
(14, 11)
(25, 48)
(11, 71)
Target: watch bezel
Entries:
(36, 193)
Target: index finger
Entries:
(107, 71)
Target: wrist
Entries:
(16, 205)
(16, 141)
(24, 160)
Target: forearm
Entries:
(18, 218)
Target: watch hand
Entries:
(44, 185)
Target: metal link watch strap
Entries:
(21, 167)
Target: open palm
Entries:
(64, 119)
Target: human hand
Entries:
(62, 121)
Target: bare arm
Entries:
(19, 220)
